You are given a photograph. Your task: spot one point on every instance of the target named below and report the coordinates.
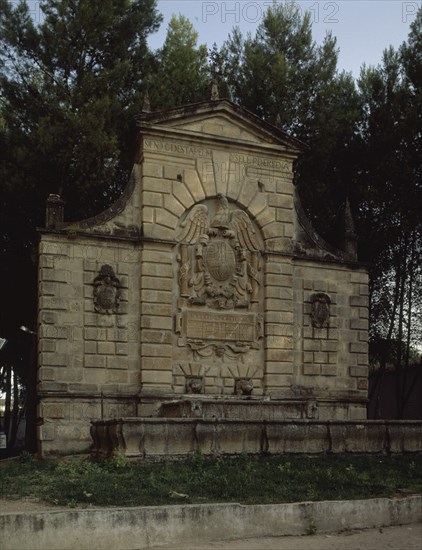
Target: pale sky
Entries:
(364, 28)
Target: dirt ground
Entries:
(28, 504)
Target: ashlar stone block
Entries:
(173, 205)
(152, 169)
(312, 370)
(182, 194)
(193, 181)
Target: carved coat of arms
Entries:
(320, 312)
(106, 291)
(222, 272)
(219, 272)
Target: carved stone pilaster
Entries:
(184, 271)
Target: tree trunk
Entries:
(15, 412)
(399, 366)
(406, 394)
(384, 355)
(7, 402)
(31, 401)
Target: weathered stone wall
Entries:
(89, 364)
(177, 175)
(332, 361)
(166, 438)
(205, 277)
(190, 525)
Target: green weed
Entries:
(288, 478)
(312, 528)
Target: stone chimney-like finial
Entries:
(214, 90)
(350, 240)
(54, 212)
(146, 107)
(278, 120)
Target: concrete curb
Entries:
(143, 527)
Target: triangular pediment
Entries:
(222, 126)
(221, 119)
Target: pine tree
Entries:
(69, 87)
(390, 194)
(282, 72)
(182, 74)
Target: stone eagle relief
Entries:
(219, 279)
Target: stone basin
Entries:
(173, 438)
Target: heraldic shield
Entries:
(219, 271)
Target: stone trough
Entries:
(173, 438)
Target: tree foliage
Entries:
(282, 75)
(69, 90)
(390, 194)
(69, 87)
(182, 74)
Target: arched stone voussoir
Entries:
(273, 230)
(267, 217)
(194, 185)
(258, 205)
(182, 193)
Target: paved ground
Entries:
(408, 537)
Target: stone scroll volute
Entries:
(219, 280)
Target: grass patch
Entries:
(246, 480)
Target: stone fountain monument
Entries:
(201, 311)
